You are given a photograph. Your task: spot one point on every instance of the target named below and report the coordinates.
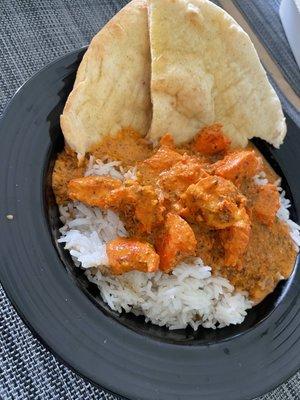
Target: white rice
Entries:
(190, 295)
(110, 168)
(86, 232)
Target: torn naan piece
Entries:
(205, 69)
(111, 90)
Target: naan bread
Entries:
(111, 91)
(205, 69)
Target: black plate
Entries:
(122, 353)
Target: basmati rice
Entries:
(190, 295)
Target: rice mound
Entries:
(190, 295)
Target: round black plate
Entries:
(122, 353)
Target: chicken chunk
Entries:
(177, 242)
(148, 209)
(163, 159)
(180, 176)
(216, 201)
(92, 190)
(235, 240)
(105, 192)
(267, 195)
(238, 165)
(211, 140)
(129, 254)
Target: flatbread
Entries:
(111, 90)
(205, 69)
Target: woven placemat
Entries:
(32, 34)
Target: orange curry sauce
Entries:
(199, 199)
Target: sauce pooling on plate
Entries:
(201, 199)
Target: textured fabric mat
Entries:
(33, 33)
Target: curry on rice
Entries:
(199, 199)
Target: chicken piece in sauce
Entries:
(211, 140)
(176, 242)
(216, 201)
(129, 254)
(107, 193)
(92, 190)
(266, 204)
(175, 181)
(148, 208)
(163, 159)
(237, 166)
(221, 206)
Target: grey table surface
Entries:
(32, 34)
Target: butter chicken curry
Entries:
(199, 199)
